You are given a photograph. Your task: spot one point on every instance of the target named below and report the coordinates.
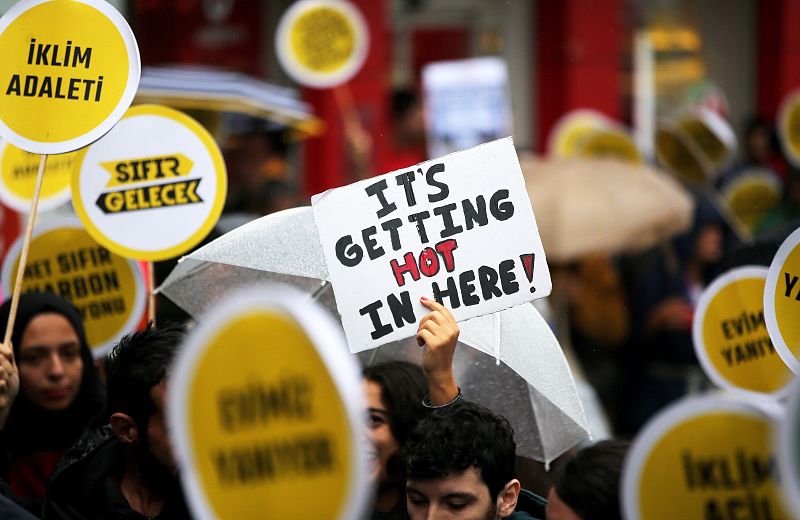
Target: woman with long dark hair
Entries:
(59, 397)
(396, 398)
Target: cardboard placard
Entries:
(707, 458)
(467, 103)
(789, 127)
(782, 301)
(731, 339)
(322, 43)
(18, 170)
(69, 72)
(459, 229)
(63, 259)
(265, 408)
(153, 187)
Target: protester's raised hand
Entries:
(438, 335)
(9, 381)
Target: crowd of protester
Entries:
(80, 440)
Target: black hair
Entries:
(589, 482)
(460, 437)
(403, 386)
(403, 101)
(137, 363)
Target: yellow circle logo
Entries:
(705, 458)
(18, 170)
(262, 422)
(674, 153)
(69, 71)
(321, 43)
(782, 301)
(107, 289)
(789, 127)
(731, 338)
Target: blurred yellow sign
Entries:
(264, 401)
(789, 127)
(63, 259)
(69, 72)
(18, 170)
(704, 458)
(782, 301)
(571, 130)
(730, 335)
(321, 43)
(752, 195)
(609, 143)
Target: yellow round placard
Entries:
(731, 338)
(782, 301)
(63, 259)
(18, 170)
(264, 404)
(322, 43)
(69, 71)
(153, 187)
(751, 196)
(789, 127)
(610, 143)
(705, 458)
(572, 128)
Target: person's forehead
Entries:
(466, 481)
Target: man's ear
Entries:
(507, 499)
(124, 428)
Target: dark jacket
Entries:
(529, 506)
(85, 485)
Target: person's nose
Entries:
(56, 367)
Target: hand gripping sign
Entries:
(265, 410)
(151, 188)
(459, 229)
(69, 71)
(705, 458)
(731, 339)
(782, 301)
(63, 259)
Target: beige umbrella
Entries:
(586, 206)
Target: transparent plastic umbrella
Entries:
(513, 365)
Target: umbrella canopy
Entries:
(210, 89)
(547, 416)
(531, 386)
(588, 206)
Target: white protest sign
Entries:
(153, 187)
(459, 229)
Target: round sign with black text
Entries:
(153, 187)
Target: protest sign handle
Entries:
(358, 139)
(151, 293)
(23, 256)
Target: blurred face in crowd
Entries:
(50, 363)
(460, 495)
(709, 244)
(557, 509)
(383, 443)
